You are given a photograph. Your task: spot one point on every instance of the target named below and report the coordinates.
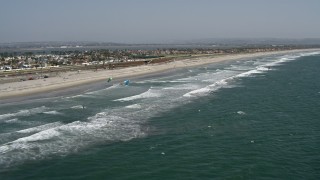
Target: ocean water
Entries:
(255, 118)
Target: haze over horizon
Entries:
(150, 21)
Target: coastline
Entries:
(72, 80)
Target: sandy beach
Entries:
(74, 79)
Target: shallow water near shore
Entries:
(246, 119)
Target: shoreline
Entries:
(71, 81)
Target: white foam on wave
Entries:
(278, 62)
(77, 107)
(86, 95)
(241, 113)
(200, 91)
(187, 79)
(152, 81)
(5, 116)
(205, 90)
(40, 128)
(6, 137)
(222, 77)
(262, 66)
(113, 86)
(42, 135)
(27, 148)
(11, 120)
(249, 73)
(24, 112)
(283, 59)
(238, 68)
(61, 139)
(151, 93)
(183, 87)
(134, 106)
(219, 75)
(195, 83)
(176, 81)
(52, 112)
(71, 97)
(220, 83)
(309, 53)
(265, 66)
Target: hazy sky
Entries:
(143, 21)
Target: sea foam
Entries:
(148, 94)
(23, 112)
(40, 128)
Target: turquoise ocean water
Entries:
(255, 118)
